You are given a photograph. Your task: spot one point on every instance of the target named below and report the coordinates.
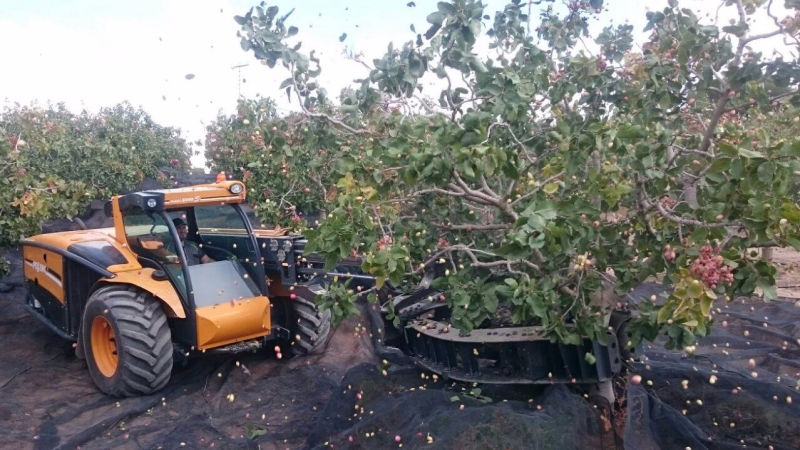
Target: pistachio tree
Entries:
(54, 162)
(552, 162)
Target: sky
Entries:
(94, 53)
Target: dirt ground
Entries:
(738, 387)
(788, 262)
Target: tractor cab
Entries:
(200, 240)
(214, 253)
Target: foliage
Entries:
(289, 159)
(545, 171)
(54, 162)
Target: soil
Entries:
(788, 262)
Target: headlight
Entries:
(151, 203)
(236, 189)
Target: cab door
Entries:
(225, 234)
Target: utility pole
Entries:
(238, 68)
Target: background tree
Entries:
(289, 160)
(55, 162)
(548, 169)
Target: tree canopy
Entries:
(54, 162)
(552, 164)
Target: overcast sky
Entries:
(93, 53)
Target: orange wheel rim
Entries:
(104, 346)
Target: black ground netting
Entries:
(738, 387)
(375, 411)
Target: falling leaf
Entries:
(342, 37)
(189, 76)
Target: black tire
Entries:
(310, 327)
(79, 350)
(140, 337)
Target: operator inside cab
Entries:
(194, 254)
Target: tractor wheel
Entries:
(310, 327)
(127, 341)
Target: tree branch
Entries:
(474, 193)
(323, 116)
(494, 200)
(521, 145)
(719, 109)
(534, 191)
(756, 37)
(650, 204)
(474, 261)
(486, 188)
(474, 227)
(780, 26)
(746, 106)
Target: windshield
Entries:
(148, 236)
(217, 282)
(223, 280)
(219, 219)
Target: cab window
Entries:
(219, 219)
(148, 235)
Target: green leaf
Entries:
(790, 212)
(663, 314)
(747, 153)
(490, 302)
(435, 18)
(550, 188)
(794, 242)
(705, 306)
(695, 289)
(770, 292)
(766, 172)
(737, 30)
(727, 149)
(446, 8)
(468, 171)
(254, 432)
(631, 132)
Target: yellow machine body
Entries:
(103, 256)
